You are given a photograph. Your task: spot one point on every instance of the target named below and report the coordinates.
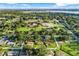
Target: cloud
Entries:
(60, 4)
(38, 5)
(40, 1)
(14, 6)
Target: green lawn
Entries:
(23, 29)
(39, 28)
(38, 44)
(52, 45)
(72, 48)
(61, 53)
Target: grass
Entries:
(75, 47)
(61, 53)
(39, 28)
(23, 29)
(38, 44)
(3, 49)
(72, 48)
(56, 36)
(52, 45)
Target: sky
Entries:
(38, 6)
(27, 5)
(48, 4)
(42, 1)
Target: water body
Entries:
(54, 11)
(70, 12)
